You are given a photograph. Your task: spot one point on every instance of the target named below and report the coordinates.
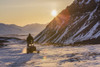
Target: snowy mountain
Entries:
(10, 29)
(14, 29)
(78, 23)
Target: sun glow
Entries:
(54, 13)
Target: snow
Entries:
(82, 28)
(43, 38)
(38, 37)
(88, 2)
(84, 56)
(92, 13)
(97, 1)
(96, 35)
(81, 2)
(45, 30)
(89, 34)
(71, 39)
(62, 35)
(49, 38)
(92, 30)
(57, 29)
(85, 25)
(81, 18)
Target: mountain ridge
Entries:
(14, 29)
(75, 24)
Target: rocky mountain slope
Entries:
(78, 23)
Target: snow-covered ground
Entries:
(84, 56)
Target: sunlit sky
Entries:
(23, 12)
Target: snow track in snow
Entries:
(50, 56)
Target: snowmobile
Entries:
(31, 49)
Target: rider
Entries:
(30, 40)
(30, 46)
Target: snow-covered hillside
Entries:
(84, 56)
(78, 23)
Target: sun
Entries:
(54, 13)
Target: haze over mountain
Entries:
(14, 29)
(78, 23)
(34, 28)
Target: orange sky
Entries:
(22, 12)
